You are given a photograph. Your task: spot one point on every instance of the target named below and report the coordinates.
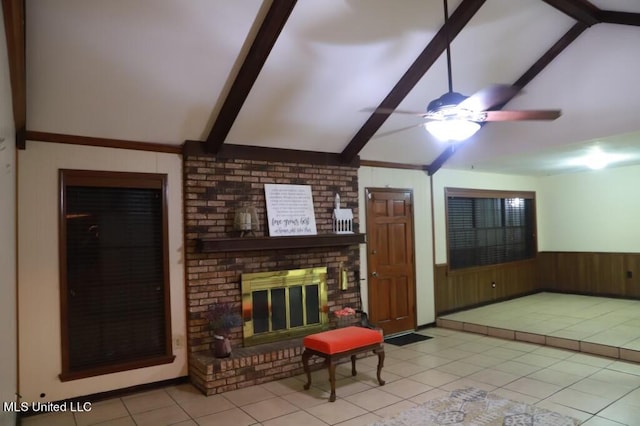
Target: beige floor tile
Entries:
(494, 377)
(616, 377)
(621, 413)
(161, 416)
(189, 422)
(503, 353)
(466, 382)
(611, 391)
(429, 361)
(235, 417)
(575, 368)
(308, 398)
(286, 386)
(533, 387)
(199, 407)
(563, 409)
(516, 396)
(50, 419)
(373, 399)
(579, 400)
(600, 421)
(593, 360)
(346, 387)
(184, 392)
(336, 412)
(453, 354)
(401, 354)
(460, 368)
(406, 388)
(364, 420)
(434, 378)
(147, 401)
(405, 369)
(555, 377)
(428, 396)
(295, 419)
(269, 409)
(516, 368)
(249, 395)
(536, 360)
(553, 352)
(394, 409)
(101, 412)
(128, 421)
(483, 360)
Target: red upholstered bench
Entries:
(340, 343)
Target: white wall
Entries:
(445, 178)
(8, 347)
(590, 211)
(39, 306)
(418, 181)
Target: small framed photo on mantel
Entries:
(290, 210)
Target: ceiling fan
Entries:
(456, 117)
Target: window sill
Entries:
(130, 365)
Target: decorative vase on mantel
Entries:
(221, 346)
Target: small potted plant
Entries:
(345, 317)
(222, 318)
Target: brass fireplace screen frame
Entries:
(286, 280)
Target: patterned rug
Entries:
(476, 407)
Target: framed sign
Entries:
(290, 210)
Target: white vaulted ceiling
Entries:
(159, 71)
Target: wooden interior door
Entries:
(390, 259)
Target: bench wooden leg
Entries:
(380, 353)
(305, 364)
(353, 365)
(332, 379)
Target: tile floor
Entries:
(596, 390)
(599, 325)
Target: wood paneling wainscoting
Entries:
(456, 290)
(594, 274)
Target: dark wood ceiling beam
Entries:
(580, 10)
(421, 65)
(13, 11)
(622, 18)
(548, 56)
(264, 41)
(573, 33)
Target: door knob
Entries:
(374, 274)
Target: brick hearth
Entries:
(213, 190)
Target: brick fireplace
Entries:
(214, 188)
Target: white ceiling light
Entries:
(452, 129)
(596, 159)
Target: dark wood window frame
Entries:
(103, 179)
(490, 194)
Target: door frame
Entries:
(367, 191)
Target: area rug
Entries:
(406, 339)
(476, 407)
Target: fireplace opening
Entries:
(280, 305)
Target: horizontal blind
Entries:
(115, 282)
(487, 231)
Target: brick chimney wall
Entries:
(213, 190)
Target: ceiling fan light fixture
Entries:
(452, 129)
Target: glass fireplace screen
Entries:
(283, 304)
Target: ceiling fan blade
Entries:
(391, 132)
(490, 96)
(394, 111)
(545, 114)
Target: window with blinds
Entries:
(489, 227)
(114, 272)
